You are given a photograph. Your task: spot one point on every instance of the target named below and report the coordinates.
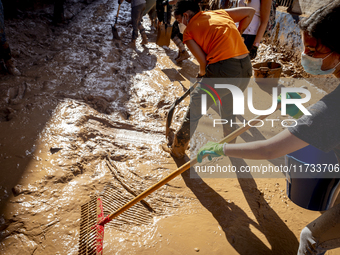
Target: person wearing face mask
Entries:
(321, 129)
(216, 43)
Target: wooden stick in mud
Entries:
(180, 170)
(114, 171)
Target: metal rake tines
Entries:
(87, 236)
(114, 199)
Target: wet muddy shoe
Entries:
(179, 54)
(178, 148)
(11, 69)
(145, 39)
(182, 56)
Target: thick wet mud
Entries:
(85, 100)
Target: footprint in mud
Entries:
(164, 103)
(99, 103)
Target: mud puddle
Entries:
(82, 98)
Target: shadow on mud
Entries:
(235, 222)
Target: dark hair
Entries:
(186, 5)
(323, 25)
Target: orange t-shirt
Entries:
(216, 33)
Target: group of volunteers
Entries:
(224, 50)
(217, 44)
(252, 35)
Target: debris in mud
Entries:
(6, 114)
(291, 63)
(17, 190)
(55, 150)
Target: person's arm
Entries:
(173, 2)
(264, 18)
(277, 146)
(199, 54)
(243, 15)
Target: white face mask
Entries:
(181, 26)
(313, 65)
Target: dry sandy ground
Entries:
(82, 98)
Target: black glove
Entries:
(253, 52)
(165, 2)
(120, 1)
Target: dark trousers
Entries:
(5, 51)
(136, 17)
(249, 40)
(233, 71)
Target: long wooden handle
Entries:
(180, 170)
(117, 15)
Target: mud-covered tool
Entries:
(91, 234)
(114, 29)
(92, 220)
(172, 108)
(164, 30)
(109, 200)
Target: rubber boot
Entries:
(11, 69)
(178, 147)
(144, 39)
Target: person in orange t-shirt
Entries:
(216, 43)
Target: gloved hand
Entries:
(253, 52)
(165, 2)
(292, 110)
(212, 149)
(120, 1)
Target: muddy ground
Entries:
(86, 104)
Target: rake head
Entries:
(91, 234)
(92, 218)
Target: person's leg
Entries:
(153, 15)
(149, 6)
(134, 19)
(141, 9)
(177, 38)
(237, 67)
(5, 51)
(249, 40)
(321, 234)
(160, 10)
(189, 123)
(233, 71)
